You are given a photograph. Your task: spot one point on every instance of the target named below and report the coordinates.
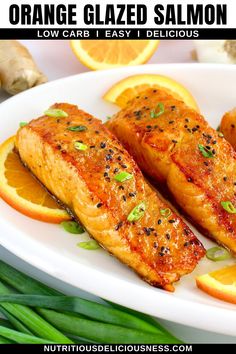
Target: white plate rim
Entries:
(118, 290)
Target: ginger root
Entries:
(18, 71)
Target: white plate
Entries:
(54, 251)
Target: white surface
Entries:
(52, 57)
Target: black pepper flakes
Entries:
(168, 236)
(118, 226)
(119, 158)
(92, 147)
(159, 221)
(155, 244)
(99, 205)
(132, 194)
(232, 125)
(225, 178)
(124, 198)
(116, 170)
(108, 157)
(108, 167)
(206, 163)
(174, 141)
(190, 179)
(121, 188)
(103, 145)
(171, 121)
(105, 174)
(137, 114)
(124, 166)
(171, 221)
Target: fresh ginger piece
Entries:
(18, 71)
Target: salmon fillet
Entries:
(174, 145)
(228, 127)
(159, 248)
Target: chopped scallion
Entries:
(80, 146)
(72, 227)
(204, 151)
(228, 206)
(158, 111)
(22, 124)
(57, 113)
(218, 254)
(165, 212)
(137, 213)
(78, 128)
(123, 176)
(89, 245)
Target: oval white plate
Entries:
(54, 251)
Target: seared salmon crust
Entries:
(156, 244)
(175, 145)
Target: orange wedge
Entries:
(104, 54)
(22, 191)
(125, 90)
(220, 283)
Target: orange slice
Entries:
(22, 191)
(125, 90)
(220, 283)
(104, 54)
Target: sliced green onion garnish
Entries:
(218, 254)
(158, 111)
(165, 212)
(123, 176)
(204, 151)
(22, 124)
(228, 206)
(221, 135)
(78, 128)
(89, 245)
(72, 227)
(137, 213)
(80, 146)
(57, 113)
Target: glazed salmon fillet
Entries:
(80, 162)
(174, 145)
(228, 127)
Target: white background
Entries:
(4, 10)
(56, 60)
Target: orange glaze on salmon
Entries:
(169, 140)
(159, 248)
(228, 127)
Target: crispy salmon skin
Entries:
(121, 211)
(175, 145)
